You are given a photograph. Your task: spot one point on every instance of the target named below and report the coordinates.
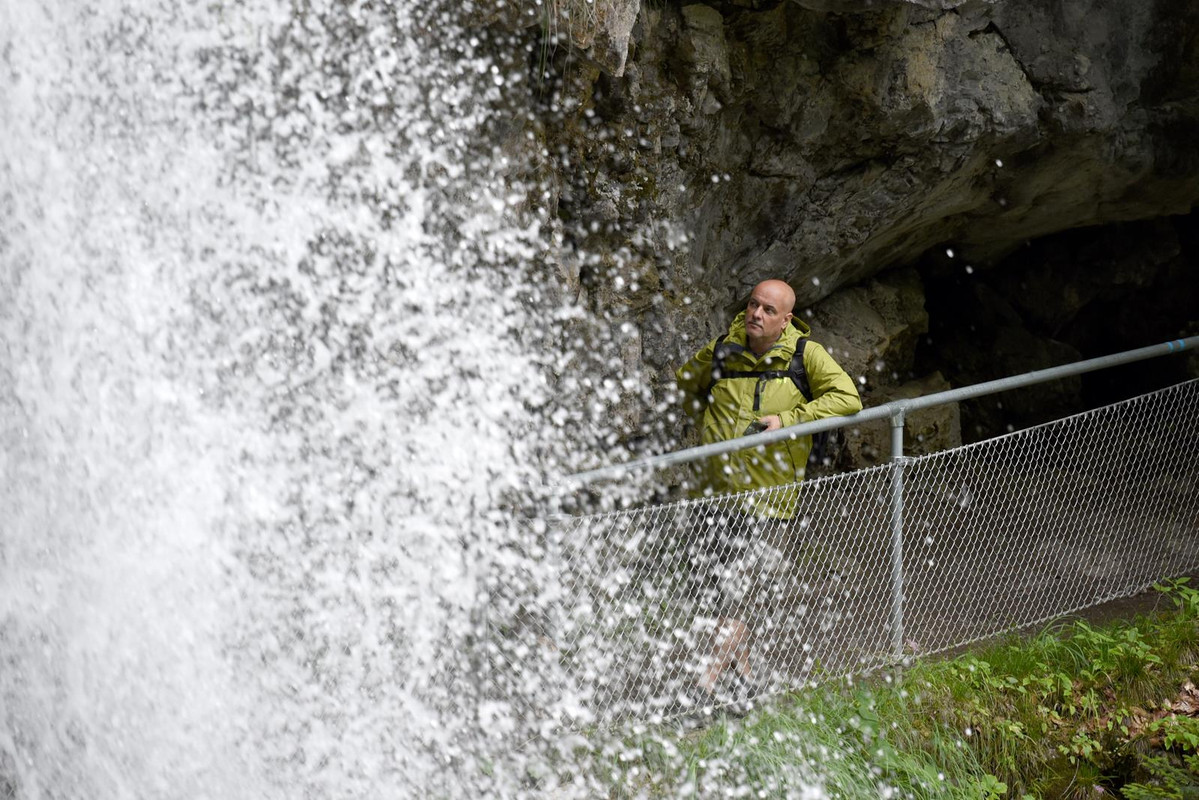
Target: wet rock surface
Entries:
(829, 142)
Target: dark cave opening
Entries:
(1074, 295)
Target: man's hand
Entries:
(773, 423)
(770, 423)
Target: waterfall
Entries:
(269, 302)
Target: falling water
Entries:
(268, 382)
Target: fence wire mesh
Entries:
(996, 535)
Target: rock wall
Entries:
(834, 142)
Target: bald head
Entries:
(779, 291)
(767, 313)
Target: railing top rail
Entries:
(892, 410)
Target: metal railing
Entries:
(913, 556)
(894, 411)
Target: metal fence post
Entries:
(897, 460)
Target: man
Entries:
(739, 384)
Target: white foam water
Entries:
(265, 390)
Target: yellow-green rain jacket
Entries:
(728, 407)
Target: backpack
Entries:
(795, 371)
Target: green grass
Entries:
(1075, 711)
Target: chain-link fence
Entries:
(996, 535)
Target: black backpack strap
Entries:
(720, 352)
(718, 355)
(798, 373)
(795, 371)
(820, 441)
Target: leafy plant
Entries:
(1167, 781)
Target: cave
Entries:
(1074, 295)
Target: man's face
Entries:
(768, 311)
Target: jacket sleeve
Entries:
(834, 393)
(694, 378)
